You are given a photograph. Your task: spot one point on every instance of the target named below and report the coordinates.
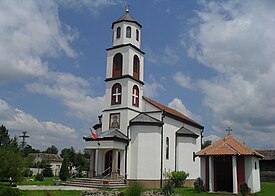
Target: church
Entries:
(137, 138)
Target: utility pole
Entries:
(24, 136)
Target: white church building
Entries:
(137, 138)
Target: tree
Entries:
(64, 170)
(70, 152)
(47, 171)
(206, 143)
(51, 150)
(4, 136)
(28, 149)
(81, 163)
(11, 157)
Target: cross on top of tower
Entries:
(127, 8)
(229, 130)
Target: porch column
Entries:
(92, 164)
(114, 174)
(235, 178)
(211, 174)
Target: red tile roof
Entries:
(228, 146)
(174, 113)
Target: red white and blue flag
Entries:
(94, 134)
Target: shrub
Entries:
(135, 189)
(4, 191)
(27, 172)
(244, 188)
(64, 171)
(39, 177)
(198, 185)
(178, 178)
(168, 189)
(47, 171)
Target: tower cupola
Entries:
(126, 30)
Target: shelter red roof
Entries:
(228, 146)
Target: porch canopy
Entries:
(108, 144)
(227, 163)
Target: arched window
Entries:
(118, 32)
(137, 35)
(136, 67)
(167, 148)
(117, 65)
(128, 32)
(116, 94)
(135, 96)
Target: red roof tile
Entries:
(173, 112)
(228, 146)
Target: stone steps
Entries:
(97, 183)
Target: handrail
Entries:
(105, 170)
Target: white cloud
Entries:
(30, 30)
(183, 80)
(72, 92)
(167, 55)
(178, 105)
(93, 5)
(234, 39)
(42, 133)
(152, 89)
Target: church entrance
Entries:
(109, 162)
(223, 173)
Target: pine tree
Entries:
(64, 170)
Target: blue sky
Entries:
(212, 60)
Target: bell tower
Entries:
(124, 74)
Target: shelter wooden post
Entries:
(235, 177)
(211, 174)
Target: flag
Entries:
(94, 135)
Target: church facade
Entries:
(137, 138)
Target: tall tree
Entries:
(4, 136)
(206, 143)
(51, 150)
(64, 170)
(11, 157)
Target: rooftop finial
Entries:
(229, 130)
(127, 8)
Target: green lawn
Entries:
(51, 193)
(267, 188)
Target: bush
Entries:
(39, 177)
(27, 172)
(47, 171)
(168, 189)
(178, 178)
(4, 191)
(198, 185)
(64, 171)
(244, 188)
(135, 189)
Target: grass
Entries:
(47, 181)
(51, 193)
(268, 188)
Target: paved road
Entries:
(35, 187)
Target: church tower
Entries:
(124, 74)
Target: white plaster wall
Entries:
(144, 153)
(186, 147)
(123, 40)
(106, 144)
(252, 175)
(128, 53)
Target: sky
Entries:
(211, 60)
